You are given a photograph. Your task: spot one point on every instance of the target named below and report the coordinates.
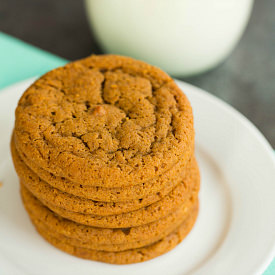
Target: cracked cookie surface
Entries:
(105, 121)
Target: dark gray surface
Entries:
(246, 79)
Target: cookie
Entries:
(148, 191)
(178, 197)
(55, 197)
(130, 219)
(124, 257)
(113, 247)
(105, 121)
(101, 236)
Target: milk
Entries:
(183, 37)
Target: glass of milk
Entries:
(183, 37)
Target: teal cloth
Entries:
(19, 61)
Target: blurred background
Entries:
(243, 75)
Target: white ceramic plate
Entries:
(235, 230)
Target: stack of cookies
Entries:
(104, 150)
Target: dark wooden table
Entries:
(246, 79)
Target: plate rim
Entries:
(260, 137)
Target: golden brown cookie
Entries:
(102, 236)
(106, 121)
(148, 191)
(177, 198)
(55, 197)
(124, 257)
(113, 247)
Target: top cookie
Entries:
(106, 120)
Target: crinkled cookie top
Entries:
(105, 121)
